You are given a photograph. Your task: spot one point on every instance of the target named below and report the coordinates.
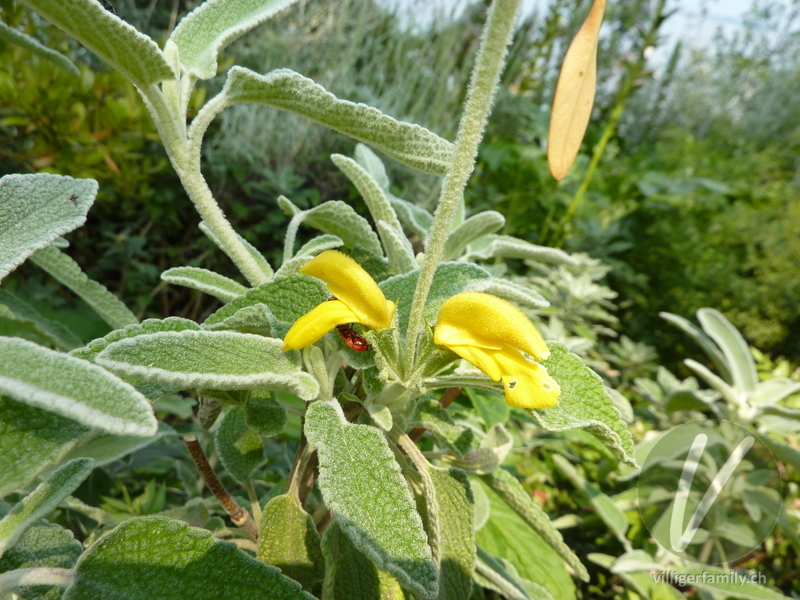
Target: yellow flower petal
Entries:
(486, 321)
(350, 283)
(313, 325)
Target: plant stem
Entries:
(480, 97)
(35, 576)
(239, 515)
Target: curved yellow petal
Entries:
(482, 358)
(313, 325)
(350, 283)
(487, 321)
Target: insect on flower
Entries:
(350, 337)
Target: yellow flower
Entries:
(358, 300)
(489, 332)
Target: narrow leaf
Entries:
(157, 557)
(733, 346)
(398, 249)
(370, 498)
(708, 346)
(37, 209)
(207, 30)
(416, 219)
(73, 388)
(22, 314)
(572, 104)
(65, 270)
(490, 573)
(470, 230)
(225, 360)
(257, 256)
(131, 53)
(319, 244)
(373, 165)
(32, 44)
(584, 403)
(206, 281)
(41, 501)
(516, 293)
(374, 195)
(434, 418)
(339, 219)
(410, 144)
(505, 246)
(239, 447)
(730, 394)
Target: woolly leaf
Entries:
(320, 244)
(489, 455)
(410, 144)
(416, 219)
(65, 270)
(372, 165)
(265, 414)
(157, 557)
(30, 440)
(734, 347)
(516, 293)
(339, 219)
(398, 249)
(583, 403)
(73, 388)
(262, 263)
(41, 501)
(23, 315)
(206, 281)
(225, 360)
(207, 30)
(289, 540)
(708, 346)
(437, 420)
(131, 53)
(374, 195)
(370, 498)
(37, 209)
(505, 246)
(239, 447)
(470, 230)
(32, 44)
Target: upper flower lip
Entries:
(358, 300)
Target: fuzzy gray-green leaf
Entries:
(319, 244)
(131, 53)
(73, 388)
(372, 165)
(156, 557)
(23, 315)
(338, 218)
(370, 498)
(239, 447)
(37, 209)
(206, 281)
(408, 143)
(207, 30)
(583, 403)
(470, 230)
(65, 270)
(374, 195)
(262, 263)
(41, 501)
(398, 249)
(32, 44)
(434, 418)
(505, 246)
(706, 343)
(225, 360)
(265, 414)
(733, 346)
(416, 219)
(516, 293)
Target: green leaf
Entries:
(32, 44)
(374, 195)
(131, 53)
(604, 506)
(156, 557)
(493, 449)
(507, 487)
(491, 409)
(733, 346)
(583, 403)
(370, 497)
(43, 545)
(262, 263)
(684, 400)
(516, 293)
(225, 360)
(73, 388)
(105, 448)
(430, 415)
(699, 336)
(450, 279)
(23, 315)
(506, 535)
(30, 440)
(767, 392)
(398, 249)
(337, 218)
(265, 414)
(730, 394)
(239, 447)
(456, 517)
(349, 575)
(37, 209)
(490, 573)
(372, 165)
(41, 501)
(207, 30)
(65, 270)
(206, 281)
(642, 583)
(319, 244)
(416, 219)
(410, 144)
(289, 540)
(505, 246)
(470, 230)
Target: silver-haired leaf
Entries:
(226, 360)
(131, 53)
(470, 230)
(398, 249)
(206, 281)
(505, 246)
(239, 447)
(416, 219)
(516, 293)
(408, 143)
(73, 388)
(65, 270)
(32, 44)
(157, 557)
(23, 315)
(733, 346)
(320, 244)
(262, 262)
(37, 209)
(370, 498)
(41, 501)
(338, 218)
(208, 29)
(583, 404)
(491, 573)
(265, 414)
(374, 195)
(706, 343)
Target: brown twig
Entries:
(239, 516)
(446, 400)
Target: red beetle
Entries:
(350, 337)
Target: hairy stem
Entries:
(480, 97)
